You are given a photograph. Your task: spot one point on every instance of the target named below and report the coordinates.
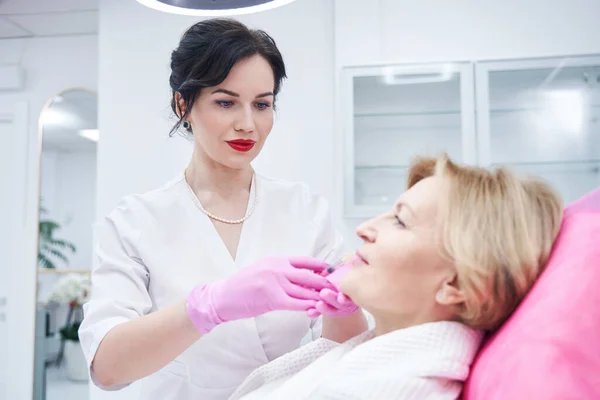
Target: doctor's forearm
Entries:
(138, 348)
(340, 329)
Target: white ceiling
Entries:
(42, 18)
(47, 18)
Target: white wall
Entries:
(403, 31)
(434, 30)
(51, 65)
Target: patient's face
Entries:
(400, 267)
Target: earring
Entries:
(186, 125)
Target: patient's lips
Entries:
(359, 259)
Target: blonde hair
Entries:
(498, 230)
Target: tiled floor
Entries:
(60, 387)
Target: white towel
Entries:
(429, 361)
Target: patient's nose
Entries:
(366, 231)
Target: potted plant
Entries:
(73, 291)
(49, 246)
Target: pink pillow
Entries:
(590, 202)
(550, 347)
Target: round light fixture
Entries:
(213, 8)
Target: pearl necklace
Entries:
(225, 221)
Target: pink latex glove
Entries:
(272, 283)
(333, 303)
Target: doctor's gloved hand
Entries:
(333, 304)
(272, 283)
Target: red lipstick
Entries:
(242, 145)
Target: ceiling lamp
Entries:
(213, 8)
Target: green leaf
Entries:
(45, 262)
(70, 332)
(59, 255)
(63, 244)
(49, 246)
(47, 228)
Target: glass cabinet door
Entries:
(393, 113)
(542, 117)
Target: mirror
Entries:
(69, 131)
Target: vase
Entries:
(77, 369)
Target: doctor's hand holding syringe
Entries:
(271, 284)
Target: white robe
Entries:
(153, 248)
(429, 361)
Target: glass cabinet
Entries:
(392, 113)
(538, 116)
(542, 117)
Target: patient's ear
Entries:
(449, 293)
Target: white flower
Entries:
(71, 289)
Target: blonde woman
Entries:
(452, 259)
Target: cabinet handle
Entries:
(414, 75)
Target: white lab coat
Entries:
(153, 248)
(429, 361)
